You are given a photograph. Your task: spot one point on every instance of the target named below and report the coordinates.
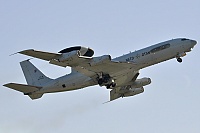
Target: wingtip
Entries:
(21, 52)
(106, 102)
(24, 51)
(7, 85)
(13, 54)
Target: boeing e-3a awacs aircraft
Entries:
(118, 74)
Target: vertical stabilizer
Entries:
(33, 76)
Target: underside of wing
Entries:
(40, 54)
(86, 72)
(71, 59)
(118, 71)
(111, 67)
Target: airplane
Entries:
(118, 74)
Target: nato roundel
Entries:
(83, 50)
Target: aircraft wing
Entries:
(112, 68)
(54, 58)
(40, 54)
(89, 66)
(86, 66)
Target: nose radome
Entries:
(193, 42)
(149, 80)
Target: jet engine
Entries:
(135, 88)
(99, 60)
(141, 82)
(70, 56)
(125, 92)
(133, 91)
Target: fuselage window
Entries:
(160, 48)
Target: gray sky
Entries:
(169, 105)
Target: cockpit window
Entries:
(184, 39)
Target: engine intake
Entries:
(134, 91)
(100, 60)
(70, 56)
(141, 82)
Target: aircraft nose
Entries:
(149, 80)
(193, 42)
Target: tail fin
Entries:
(33, 76)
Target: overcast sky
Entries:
(170, 104)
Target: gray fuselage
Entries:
(142, 58)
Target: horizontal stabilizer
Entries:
(35, 96)
(22, 88)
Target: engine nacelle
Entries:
(141, 82)
(99, 60)
(70, 56)
(83, 51)
(134, 91)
